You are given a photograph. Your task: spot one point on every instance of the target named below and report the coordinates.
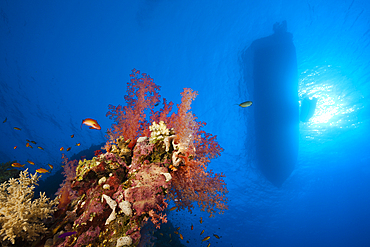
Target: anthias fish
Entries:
(206, 238)
(42, 170)
(15, 164)
(92, 123)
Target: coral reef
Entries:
(20, 216)
(150, 160)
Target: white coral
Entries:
(158, 132)
(167, 176)
(20, 216)
(112, 204)
(125, 206)
(122, 241)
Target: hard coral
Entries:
(20, 216)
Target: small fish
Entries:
(51, 166)
(176, 232)
(15, 147)
(178, 228)
(16, 128)
(40, 148)
(66, 234)
(68, 149)
(92, 123)
(72, 136)
(202, 232)
(192, 227)
(173, 208)
(161, 234)
(216, 236)
(61, 149)
(78, 144)
(209, 244)
(169, 235)
(34, 142)
(201, 220)
(245, 104)
(30, 162)
(206, 238)
(5, 120)
(182, 238)
(42, 170)
(28, 145)
(17, 165)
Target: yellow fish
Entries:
(206, 238)
(16, 128)
(201, 220)
(17, 165)
(15, 147)
(246, 104)
(40, 148)
(202, 232)
(42, 170)
(30, 162)
(182, 238)
(216, 236)
(209, 244)
(61, 149)
(51, 166)
(78, 144)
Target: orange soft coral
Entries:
(130, 120)
(191, 181)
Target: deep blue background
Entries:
(61, 62)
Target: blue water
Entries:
(63, 62)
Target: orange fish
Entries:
(15, 147)
(16, 128)
(173, 208)
(216, 236)
(40, 148)
(61, 149)
(176, 232)
(72, 136)
(42, 170)
(181, 236)
(92, 123)
(192, 227)
(78, 144)
(209, 244)
(34, 142)
(178, 228)
(201, 220)
(28, 145)
(17, 165)
(51, 166)
(206, 238)
(5, 120)
(30, 162)
(202, 232)
(68, 149)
